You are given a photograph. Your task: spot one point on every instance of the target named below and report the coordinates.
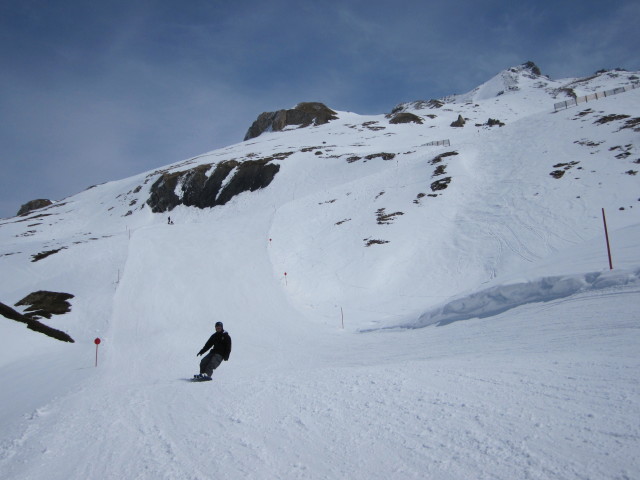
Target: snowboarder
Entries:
(221, 343)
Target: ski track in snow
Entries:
(546, 413)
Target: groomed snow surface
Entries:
(488, 339)
(543, 390)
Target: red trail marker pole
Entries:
(97, 342)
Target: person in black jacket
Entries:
(221, 343)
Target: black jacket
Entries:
(221, 343)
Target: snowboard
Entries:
(196, 378)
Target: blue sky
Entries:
(97, 91)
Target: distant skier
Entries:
(221, 343)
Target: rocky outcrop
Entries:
(45, 304)
(404, 117)
(303, 114)
(418, 105)
(34, 205)
(33, 324)
(210, 185)
(531, 67)
(459, 122)
(492, 122)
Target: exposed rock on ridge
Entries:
(34, 205)
(303, 114)
(404, 117)
(418, 105)
(530, 66)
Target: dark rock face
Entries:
(532, 67)
(304, 114)
(45, 304)
(459, 122)
(36, 326)
(34, 205)
(440, 184)
(197, 189)
(404, 117)
(39, 256)
(493, 122)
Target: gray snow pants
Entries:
(210, 362)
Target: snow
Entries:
(487, 339)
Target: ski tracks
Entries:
(494, 206)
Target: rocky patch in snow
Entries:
(382, 155)
(384, 218)
(207, 185)
(39, 256)
(564, 166)
(33, 324)
(45, 304)
(404, 117)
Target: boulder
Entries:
(459, 122)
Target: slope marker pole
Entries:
(606, 234)
(97, 342)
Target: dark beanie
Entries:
(219, 324)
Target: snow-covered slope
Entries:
(366, 225)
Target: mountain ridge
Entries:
(506, 80)
(400, 179)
